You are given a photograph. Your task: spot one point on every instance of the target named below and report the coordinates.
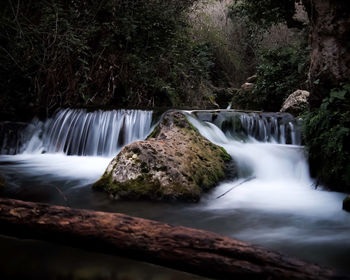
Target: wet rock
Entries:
(175, 162)
(296, 103)
(346, 203)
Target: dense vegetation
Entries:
(280, 72)
(327, 135)
(100, 53)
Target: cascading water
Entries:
(76, 132)
(277, 174)
(265, 127)
(273, 202)
(74, 144)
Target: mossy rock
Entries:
(175, 163)
(346, 203)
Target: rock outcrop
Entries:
(296, 103)
(174, 163)
(346, 203)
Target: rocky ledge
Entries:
(174, 163)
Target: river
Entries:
(273, 203)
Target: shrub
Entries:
(327, 136)
(280, 72)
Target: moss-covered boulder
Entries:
(175, 162)
(346, 203)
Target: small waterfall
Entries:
(77, 132)
(264, 153)
(265, 127)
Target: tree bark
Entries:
(330, 47)
(196, 251)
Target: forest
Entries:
(207, 111)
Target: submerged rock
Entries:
(175, 162)
(346, 203)
(296, 103)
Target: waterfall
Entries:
(272, 167)
(77, 132)
(265, 127)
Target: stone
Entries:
(174, 163)
(296, 103)
(346, 203)
(247, 86)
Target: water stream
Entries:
(273, 203)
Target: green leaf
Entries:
(338, 94)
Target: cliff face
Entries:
(330, 43)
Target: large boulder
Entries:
(346, 203)
(296, 103)
(175, 162)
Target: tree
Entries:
(329, 37)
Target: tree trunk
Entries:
(182, 248)
(330, 46)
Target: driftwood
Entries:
(196, 251)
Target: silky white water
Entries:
(278, 207)
(77, 132)
(280, 178)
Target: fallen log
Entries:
(195, 251)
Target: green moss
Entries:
(141, 187)
(154, 133)
(224, 155)
(103, 183)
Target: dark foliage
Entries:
(280, 72)
(98, 53)
(266, 13)
(327, 136)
